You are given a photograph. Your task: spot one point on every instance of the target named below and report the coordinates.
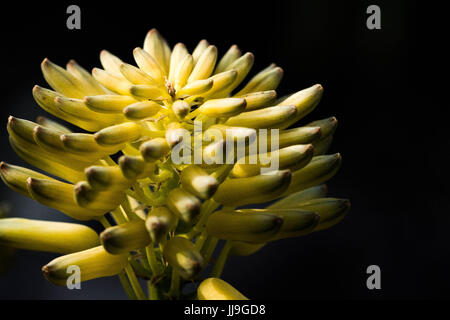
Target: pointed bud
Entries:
(217, 289)
(228, 58)
(93, 263)
(293, 200)
(61, 80)
(199, 49)
(296, 222)
(195, 88)
(15, 177)
(181, 109)
(159, 222)
(198, 182)
(178, 53)
(327, 126)
(268, 79)
(158, 48)
(318, 171)
(110, 62)
(254, 227)
(90, 198)
(183, 71)
(154, 149)
(108, 103)
(141, 110)
(293, 158)
(149, 65)
(184, 204)
(330, 210)
(305, 101)
(181, 254)
(205, 64)
(50, 124)
(134, 167)
(59, 195)
(49, 236)
(175, 134)
(145, 91)
(86, 80)
(125, 237)
(257, 189)
(118, 134)
(258, 100)
(117, 84)
(225, 107)
(136, 75)
(104, 178)
(272, 117)
(242, 65)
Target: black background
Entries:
(393, 160)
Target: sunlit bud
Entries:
(184, 204)
(258, 100)
(228, 58)
(125, 237)
(180, 108)
(108, 103)
(93, 263)
(149, 65)
(226, 107)
(159, 222)
(305, 101)
(50, 236)
(199, 49)
(296, 198)
(318, 171)
(103, 178)
(154, 149)
(293, 158)
(198, 182)
(110, 62)
(61, 80)
(257, 189)
(255, 227)
(118, 134)
(134, 167)
(217, 289)
(205, 64)
(272, 117)
(158, 48)
(181, 254)
(117, 84)
(330, 210)
(141, 110)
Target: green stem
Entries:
(174, 290)
(153, 292)
(118, 215)
(220, 263)
(151, 257)
(105, 223)
(135, 283)
(126, 286)
(210, 249)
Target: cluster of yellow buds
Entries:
(163, 218)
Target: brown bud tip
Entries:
(45, 62)
(278, 221)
